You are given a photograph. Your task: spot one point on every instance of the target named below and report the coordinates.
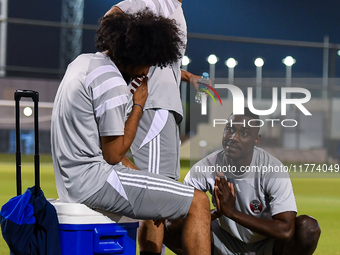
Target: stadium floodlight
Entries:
(231, 63)
(203, 143)
(212, 59)
(289, 61)
(186, 61)
(28, 111)
(259, 62)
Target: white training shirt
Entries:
(262, 194)
(163, 84)
(90, 102)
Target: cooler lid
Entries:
(75, 213)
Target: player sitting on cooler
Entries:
(91, 130)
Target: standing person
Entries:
(255, 204)
(156, 145)
(91, 132)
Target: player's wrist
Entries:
(230, 213)
(215, 214)
(138, 106)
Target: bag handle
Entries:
(18, 94)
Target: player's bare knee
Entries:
(201, 198)
(200, 201)
(307, 228)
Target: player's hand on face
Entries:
(135, 84)
(141, 93)
(225, 196)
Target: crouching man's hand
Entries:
(225, 196)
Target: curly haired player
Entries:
(91, 131)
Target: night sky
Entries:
(303, 20)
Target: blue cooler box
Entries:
(84, 231)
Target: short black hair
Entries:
(248, 113)
(140, 39)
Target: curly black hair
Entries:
(140, 39)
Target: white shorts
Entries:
(142, 195)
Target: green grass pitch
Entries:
(318, 197)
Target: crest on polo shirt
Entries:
(256, 206)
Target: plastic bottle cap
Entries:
(205, 75)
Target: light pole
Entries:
(258, 63)
(185, 62)
(3, 36)
(289, 61)
(325, 67)
(230, 63)
(203, 144)
(212, 60)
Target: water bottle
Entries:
(204, 80)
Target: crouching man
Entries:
(255, 205)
